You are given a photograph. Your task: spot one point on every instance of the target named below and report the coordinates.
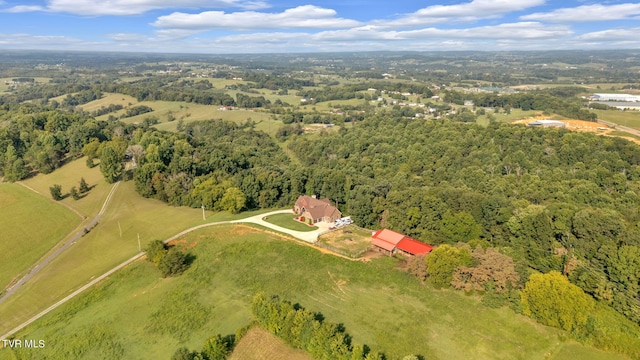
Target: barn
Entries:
(390, 242)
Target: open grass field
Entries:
(626, 118)
(135, 314)
(259, 344)
(102, 249)
(288, 221)
(516, 114)
(30, 225)
(5, 82)
(108, 99)
(188, 112)
(68, 176)
(350, 239)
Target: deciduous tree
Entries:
(110, 165)
(553, 300)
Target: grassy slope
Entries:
(69, 175)
(379, 305)
(31, 225)
(101, 249)
(288, 221)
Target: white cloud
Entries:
(28, 41)
(307, 16)
(131, 7)
(466, 12)
(587, 13)
(611, 35)
(24, 8)
(522, 30)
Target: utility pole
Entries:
(119, 227)
(139, 247)
(203, 218)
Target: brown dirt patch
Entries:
(582, 126)
(351, 239)
(182, 243)
(240, 229)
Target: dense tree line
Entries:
(557, 200)
(218, 164)
(169, 89)
(275, 81)
(81, 97)
(40, 138)
(558, 102)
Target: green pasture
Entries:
(30, 226)
(4, 86)
(68, 176)
(102, 249)
(330, 105)
(288, 221)
(108, 99)
(625, 118)
(135, 314)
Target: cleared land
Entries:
(515, 114)
(350, 240)
(180, 110)
(31, 225)
(68, 176)
(136, 314)
(259, 344)
(288, 221)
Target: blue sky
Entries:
(259, 26)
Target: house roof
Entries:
(414, 247)
(389, 236)
(317, 208)
(383, 244)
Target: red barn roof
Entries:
(414, 247)
(390, 240)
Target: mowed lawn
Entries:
(30, 226)
(136, 314)
(289, 221)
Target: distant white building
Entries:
(547, 123)
(614, 97)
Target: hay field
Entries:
(259, 344)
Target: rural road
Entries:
(309, 236)
(619, 127)
(36, 268)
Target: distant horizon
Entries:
(159, 52)
(270, 26)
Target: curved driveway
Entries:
(308, 236)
